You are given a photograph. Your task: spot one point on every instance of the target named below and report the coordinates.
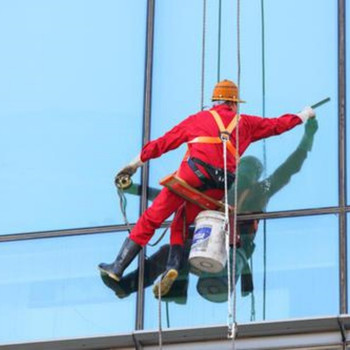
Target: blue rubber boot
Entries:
(126, 255)
(171, 273)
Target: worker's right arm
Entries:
(154, 149)
(174, 138)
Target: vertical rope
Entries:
(219, 42)
(252, 304)
(264, 144)
(234, 326)
(263, 74)
(160, 338)
(167, 314)
(203, 52)
(226, 229)
(123, 203)
(264, 277)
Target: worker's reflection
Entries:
(154, 266)
(253, 197)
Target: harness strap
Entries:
(216, 175)
(224, 132)
(206, 139)
(232, 149)
(220, 124)
(207, 183)
(196, 170)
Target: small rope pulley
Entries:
(123, 182)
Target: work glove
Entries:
(306, 113)
(128, 171)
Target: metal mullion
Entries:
(123, 228)
(146, 130)
(342, 157)
(62, 233)
(289, 213)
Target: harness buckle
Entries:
(224, 136)
(123, 182)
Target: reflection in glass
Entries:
(291, 81)
(254, 195)
(154, 266)
(299, 278)
(51, 289)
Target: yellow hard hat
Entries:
(226, 90)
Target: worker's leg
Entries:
(163, 206)
(126, 255)
(184, 217)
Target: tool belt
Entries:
(216, 178)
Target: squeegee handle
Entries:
(320, 103)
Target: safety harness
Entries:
(217, 176)
(224, 133)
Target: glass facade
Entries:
(73, 90)
(51, 288)
(289, 76)
(294, 274)
(71, 81)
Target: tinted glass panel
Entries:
(296, 277)
(176, 76)
(294, 57)
(51, 289)
(71, 99)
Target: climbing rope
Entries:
(264, 263)
(219, 41)
(203, 52)
(264, 145)
(226, 230)
(159, 239)
(263, 78)
(252, 300)
(123, 204)
(160, 339)
(167, 314)
(233, 326)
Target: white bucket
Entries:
(208, 252)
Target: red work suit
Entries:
(251, 129)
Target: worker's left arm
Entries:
(261, 128)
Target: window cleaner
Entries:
(200, 131)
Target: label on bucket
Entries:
(201, 236)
